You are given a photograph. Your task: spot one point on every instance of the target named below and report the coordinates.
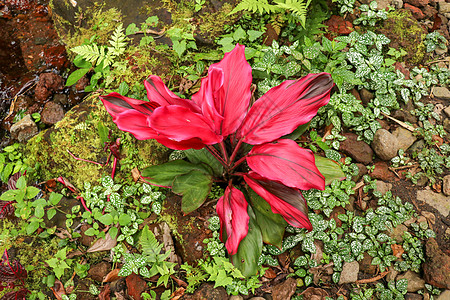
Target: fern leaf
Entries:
(117, 41)
(91, 53)
(261, 6)
(298, 7)
(150, 245)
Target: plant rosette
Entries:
(242, 146)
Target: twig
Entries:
(403, 124)
(85, 160)
(159, 34)
(358, 185)
(403, 167)
(376, 278)
(439, 60)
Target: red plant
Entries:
(10, 274)
(219, 118)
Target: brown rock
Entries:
(135, 286)
(384, 144)
(382, 172)
(416, 12)
(418, 3)
(429, 11)
(436, 267)
(415, 283)
(48, 83)
(366, 96)
(446, 185)
(349, 272)
(284, 290)
(404, 137)
(208, 292)
(365, 265)
(338, 25)
(99, 271)
(86, 240)
(24, 129)
(362, 171)
(52, 113)
(358, 150)
(413, 296)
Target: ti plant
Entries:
(239, 145)
(12, 276)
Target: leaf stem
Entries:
(216, 155)
(224, 151)
(235, 151)
(240, 161)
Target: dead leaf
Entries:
(105, 294)
(63, 234)
(430, 217)
(103, 244)
(164, 230)
(180, 282)
(312, 293)
(74, 253)
(270, 273)
(58, 289)
(327, 132)
(119, 295)
(179, 292)
(135, 174)
(112, 276)
(397, 250)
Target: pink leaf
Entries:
(283, 200)
(11, 271)
(158, 92)
(225, 94)
(285, 107)
(232, 211)
(6, 209)
(284, 161)
(115, 104)
(178, 123)
(136, 123)
(16, 295)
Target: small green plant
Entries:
(59, 262)
(370, 14)
(435, 40)
(11, 161)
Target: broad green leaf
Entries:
(55, 198)
(179, 47)
(32, 226)
(103, 132)
(297, 132)
(203, 156)
(90, 232)
(272, 225)
(106, 219)
(329, 169)
(9, 195)
(113, 232)
(250, 248)
(124, 219)
(21, 183)
(51, 213)
(75, 76)
(195, 187)
(81, 63)
(32, 192)
(164, 175)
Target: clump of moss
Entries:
(212, 24)
(406, 33)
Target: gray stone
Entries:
(385, 144)
(413, 296)
(349, 272)
(441, 92)
(444, 8)
(397, 233)
(397, 3)
(24, 129)
(437, 200)
(415, 283)
(446, 185)
(445, 295)
(52, 113)
(447, 111)
(60, 99)
(383, 187)
(405, 138)
(446, 125)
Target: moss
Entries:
(78, 133)
(406, 33)
(212, 24)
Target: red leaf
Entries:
(232, 211)
(224, 95)
(158, 92)
(16, 295)
(13, 180)
(181, 124)
(115, 104)
(285, 107)
(11, 271)
(284, 161)
(6, 209)
(283, 200)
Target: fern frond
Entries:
(298, 7)
(150, 245)
(260, 6)
(118, 41)
(91, 53)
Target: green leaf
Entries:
(250, 248)
(195, 187)
(55, 198)
(123, 88)
(329, 169)
(124, 219)
(103, 132)
(106, 219)
(204, 156)
(75, 76)
(253, 35)
(9, 195)
(32, 226)
(31, 192)
(113, 232)
(90, 232)
(164, 175)
(297, 132)
(272, 225)
(51, 213)
(239, 34)
(179, 47)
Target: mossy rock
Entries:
(405, 33)
(78, 133)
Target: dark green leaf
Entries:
(272, 225)
(75, 76)
(329, 169)
(297, 132)
(195, 187)
(203, 156)
(250, 248)
(165, 174)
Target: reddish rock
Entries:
(135, 286)
(358, 150)
(355, 93)
(418, 3)
(52, 113)
(284, 290)
(270, 35)
(365, 265)
(430, 12)
(82, 84)
(382, 172)
(85, 240)
(55, 56)
(48, 83)
(99, 271)
(436, 267)
(416, 12)
(338, 25)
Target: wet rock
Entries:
(383, 187)
(416, 12)
(397, 233)
(40, 40)
(436, 267)
(385, 144)
(284, 290)
(446, 125)
(61, 99)
(48, 83)
(413, 296)
(437, 200)
(24, 129)
(383, 4)
(366, 96)
(56, 56)
(415, 283)
(358, 150)
(416, 147)
(446, 185)
(338, 25)
(404, 137)
(418, 3)
(441, 92)
(99, 271)
(52, 113)
(207, 291)
(59, 219)
(135, 286)
(22, 103)
(404, 114)
(349, 272)
(445, 295)
(382, 172)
